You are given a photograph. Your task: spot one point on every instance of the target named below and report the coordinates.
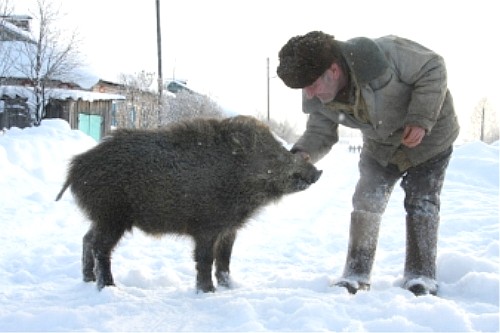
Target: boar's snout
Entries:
(316, 175)
(303, 180)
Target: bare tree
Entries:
(6, 7)
(141, 109)
(282, 129)
(187, 104)
(54, 56)
(484, 122)
(5, 48)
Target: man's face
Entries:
(326, 87)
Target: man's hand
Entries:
(304, 155)
(412, 136)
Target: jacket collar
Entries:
(364, 58)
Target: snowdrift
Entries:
(283, 263)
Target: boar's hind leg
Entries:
(223, 250)
(204, 258)
(98, 244)
(88, 257)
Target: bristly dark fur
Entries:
(202, 178)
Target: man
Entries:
(395, 91)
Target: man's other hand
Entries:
(412, 136)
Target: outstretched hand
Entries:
(412, 136)
(304, 155)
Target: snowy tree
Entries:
(5, 8)
(5, 63)
(188, 104)
(282, 129)
(54, 55)
(484, 123)
(141, 109)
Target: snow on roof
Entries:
(19, 64)
(13, 29)
(83, 95)
(85, 77)
(59, 94)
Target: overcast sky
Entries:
(220, 47)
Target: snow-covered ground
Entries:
(283, 263)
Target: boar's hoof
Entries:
(88, 274)
(205, 288)
(89, 278)
(101, 285)
(105, 280)
(224, 280)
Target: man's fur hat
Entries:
(305, 58)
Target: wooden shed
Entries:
(13, 112)
(90, 112)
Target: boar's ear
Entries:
(241, 133)
(241, 142)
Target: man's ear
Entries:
(336, 71)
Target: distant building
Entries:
(138, 110)
(88, 111)
(16, 28)
(174, 86)
(74, 101)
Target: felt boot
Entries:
(421, 249)
(363, 237)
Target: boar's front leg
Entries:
(223, 250)
(204, 258)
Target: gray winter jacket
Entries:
(395, 82)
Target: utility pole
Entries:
(268, 92)
(160, 73)
(482, 124)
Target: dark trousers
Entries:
(422, 185)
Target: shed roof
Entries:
(58, 94)
(16, 32)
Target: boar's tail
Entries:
(65, 186)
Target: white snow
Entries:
(283, 263)
(58, 93)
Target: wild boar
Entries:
(201, 178)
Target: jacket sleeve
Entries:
(320, 135)
(425, 71)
